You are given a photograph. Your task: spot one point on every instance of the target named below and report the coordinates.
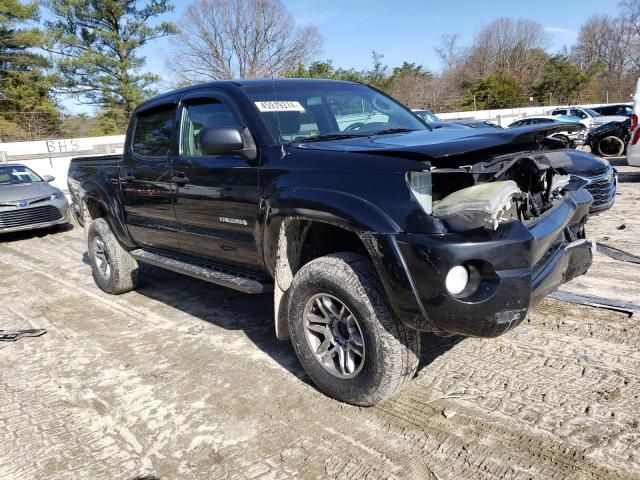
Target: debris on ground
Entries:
(448, 413)
(618, 254)
(195, 330)
(13, 335)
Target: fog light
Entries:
(457, 279)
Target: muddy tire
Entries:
(344, 333)
(114, 270)
(610, 146)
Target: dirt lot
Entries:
(183, 379)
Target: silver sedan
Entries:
(27, 201)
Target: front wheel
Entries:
(345, 335)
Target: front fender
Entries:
(329, 206)
(375, 229)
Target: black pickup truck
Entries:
(368, 226)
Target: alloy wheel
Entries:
(101, 257)
(334, 336)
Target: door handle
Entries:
(127, 177)
(179, 179)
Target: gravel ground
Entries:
(183, 379)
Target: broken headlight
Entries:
(484, 205)
(420, 186)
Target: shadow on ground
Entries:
(253, 314)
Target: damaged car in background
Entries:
(368, 225)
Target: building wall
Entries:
(52, 157)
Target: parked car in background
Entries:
(588, 117)
(478, 124)
(596, 175)
(633, 149)
(624, 109)
(610, 139)
(569, 139)
(27, 201)
(426, 115)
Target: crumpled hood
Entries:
(25, 191)
(442, 143)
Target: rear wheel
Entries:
(114, 270)
(344, 333)
(611, 146)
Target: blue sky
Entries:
(409, 30)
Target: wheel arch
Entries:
(96, 202)
(301, 231)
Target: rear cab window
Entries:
(153, 132)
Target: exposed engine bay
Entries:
(514, 186)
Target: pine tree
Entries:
(27, 111)
(97, 44)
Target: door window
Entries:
(209, 113)
(154, 130)
(578, 113)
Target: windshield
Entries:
(16, 175)
(593, 113)
(306, 111)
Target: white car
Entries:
(633, 150)
(588, 117)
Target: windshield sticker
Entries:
(280, 107)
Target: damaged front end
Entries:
(520, 186)
(514, 231)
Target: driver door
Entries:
(217, 196)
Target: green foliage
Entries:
(563, 80)
(494, 91)
(376, 76)
(410, 70)
(97, 41)
(26, 107)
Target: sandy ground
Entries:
(182, 379)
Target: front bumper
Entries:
(518, 265)
(38, 215)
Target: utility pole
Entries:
(549, 98)
(607, 96)
(475, 107)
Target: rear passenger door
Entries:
(217, 196)
(145, 179)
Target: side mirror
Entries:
(219, 140)
(48, 178)
(226, 140)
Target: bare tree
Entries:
(223, 39)
(514, 48)
(449, 51)
(630, 16)
(605, 42)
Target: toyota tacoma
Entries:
(367, 225)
